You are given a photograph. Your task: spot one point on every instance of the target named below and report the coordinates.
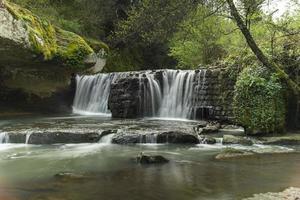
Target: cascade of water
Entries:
(148, 138)
(177, 94)
(92, 93)
(170, 96)
(107, 139)
(152, 95)
(4, 138)
(27, 138)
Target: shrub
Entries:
(258, 101)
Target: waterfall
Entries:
(106, 139)
(27, 138)
(92, 93)
(177, 94)
(152, 95)
(148, 139)
(162, 93)
(4, 138)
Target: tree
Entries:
(257, 51)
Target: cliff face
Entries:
(37, 60)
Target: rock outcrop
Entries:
(176, 137)
(54, 138)
(37, 61)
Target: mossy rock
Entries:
(53, 43)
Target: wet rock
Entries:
(288, 194)
(150, 159)
(52, 138)
(107, 132)
(124, 98)
(207, 140)
(177, 137)
(199, 127)
(233, 153)
(126, 138)
(210, 129)
(230, 139)
(17, 138)
(292, 139)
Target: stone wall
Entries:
(212, 98)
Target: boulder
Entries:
(177, 137)
(38, 78)
(230, 139)
(151, 159)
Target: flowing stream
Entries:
(110, 172)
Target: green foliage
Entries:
(258, 102)
(198, 40)
(122, 60)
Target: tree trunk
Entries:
(257, 51)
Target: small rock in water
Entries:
(231, 139)
(68, 176)
(288, 194)
(149, 159)
(233, 153)
(207, 140)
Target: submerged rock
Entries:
(288, 194)
(177, 137)
(233, 153)
(231, 139)
(150, 159)
(69, 176)
(292, 139)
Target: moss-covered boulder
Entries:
(37, 61)
(23, 29)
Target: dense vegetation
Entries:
(150, 34)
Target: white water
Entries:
(148, 139)
(107, 139)
(27, 138)
(171, 97)
(4, 138)
(92, 93)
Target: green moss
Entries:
(258, 101)
(41, 33)
(71, 48)
(50, 41)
